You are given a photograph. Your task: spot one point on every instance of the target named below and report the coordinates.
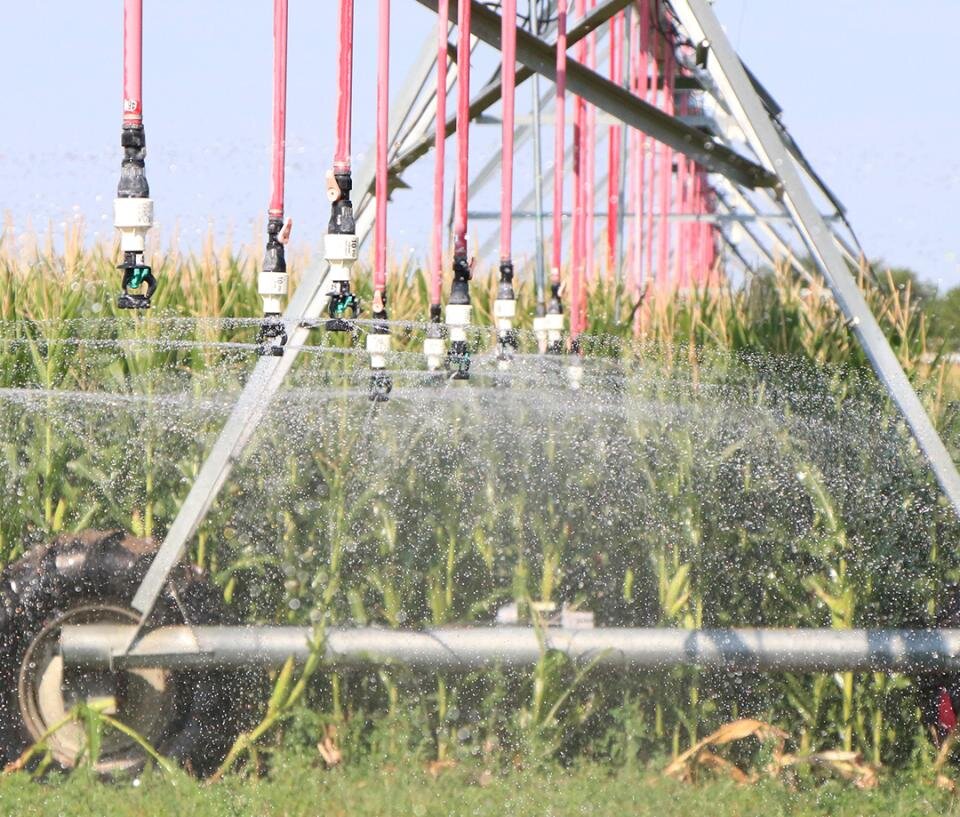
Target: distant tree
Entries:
(941, 310)
(923, 293)
(943, 319)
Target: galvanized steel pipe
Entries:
(471, 648)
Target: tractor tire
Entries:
(191, 716)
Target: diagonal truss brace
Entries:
(726, 69)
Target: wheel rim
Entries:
(144, 697)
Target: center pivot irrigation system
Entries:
(698, 162)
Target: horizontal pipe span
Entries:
(790, 650)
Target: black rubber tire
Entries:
(211, 707)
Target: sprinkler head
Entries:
(381, 384)
(135, 275)
(460, 288)
(458, 360)
(508, 342)
(272, 330)
(342, 308)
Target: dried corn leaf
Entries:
(700, 754)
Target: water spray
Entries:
(433, 345)
(133, 207)
(340, 243)
(505, 306)
(549, 328)
(378, 339)
(458, 306)
(272, 281)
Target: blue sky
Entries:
(865, 87)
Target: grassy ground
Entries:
(296, 788)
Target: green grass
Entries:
(298, 788)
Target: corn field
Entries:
(735, 465)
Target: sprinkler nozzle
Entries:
(342, 308)
(271, 337)
(508, 342)
(458, 360)
(135, 275)
(381, 384)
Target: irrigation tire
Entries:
(205, 709)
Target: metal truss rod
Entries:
(473, 648)
(748, 268)
(738, 203)
(614, 100)
(489, 95)
(725, 67)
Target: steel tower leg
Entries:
(728, 72)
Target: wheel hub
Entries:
(49, 692)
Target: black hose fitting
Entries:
(341, 209)
(436, 313)
(460, 289)
(133, 177)
(505, 287)
(555, 306)
(273, 257)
